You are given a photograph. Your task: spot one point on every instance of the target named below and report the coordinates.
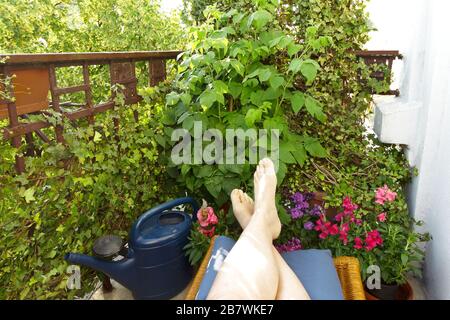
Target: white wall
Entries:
(420, 29)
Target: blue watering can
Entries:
(155, 266)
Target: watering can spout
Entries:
(121, 271)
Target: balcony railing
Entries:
(35, 75)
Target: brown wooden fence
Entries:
(35, 76)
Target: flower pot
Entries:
(318, 199)
(31, 88)
(391, 292)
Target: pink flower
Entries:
(206, 217)
(348, 206)
(333, 229)
(339, 216)
(343, 233)
(384, 194)
(372, 240)
(382, 217)
(322, 227)
(358, 243)
(207, 232)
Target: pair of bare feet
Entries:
(254, 269)
(265, 184)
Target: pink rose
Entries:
(206, 217)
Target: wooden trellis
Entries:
(18, 106)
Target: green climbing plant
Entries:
(243, 71)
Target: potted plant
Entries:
(379, 234)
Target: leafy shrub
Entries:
(242, 70)
(98, 183)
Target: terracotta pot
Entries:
(318, 199)
(31, 88)
(391, 292)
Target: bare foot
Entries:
(265, 182)
(242, 207)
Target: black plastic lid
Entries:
(107, 247)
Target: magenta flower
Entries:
(358, 243)
(348, 206)
(384, 194)
(372, 240)
(206, 217)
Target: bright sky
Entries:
(168, 5)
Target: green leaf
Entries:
(252, 116)
(309, 69)
(186, 98)
(97, 137)
(213, 186)
(29, 195)
(220, 87)
(260, 18)
(235, 89)
(404, 258)
(293, 49)
(281, 173)
(295, 65)
(276, 81)
(264, 74)
(207, 98)
(205, 171)
(238, 66)
(297, 101)
(314, 108)
(172, 98)
(314, 148)
(300, 154)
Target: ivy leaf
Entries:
(97, 136)
(314, 108)
(309, 69)
(297, 101)
(29, 195)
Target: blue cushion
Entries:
(313, 267)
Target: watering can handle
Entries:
(166, 206)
